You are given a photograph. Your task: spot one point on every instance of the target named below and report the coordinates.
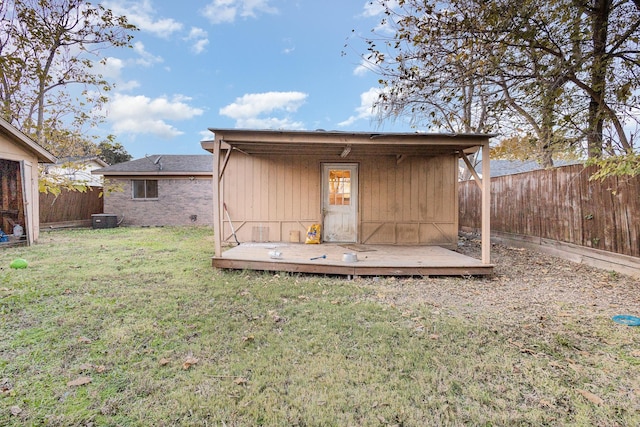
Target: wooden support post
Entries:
(486, 205)
(217, 213)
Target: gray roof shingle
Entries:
(511, 167)
(163, 164)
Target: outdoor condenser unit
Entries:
(104, 221)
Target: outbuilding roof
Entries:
(162, 164)
(16, 135)
(336, 143)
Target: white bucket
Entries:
(18, 231)
(349, 257)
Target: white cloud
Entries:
(248, 109)
(142, 15)
(206, 135)
(290, 47)
(146, 59)
(374, 8)
(200, 39)
(111, 69)
(366, 109)
(220, 11)
(143, 115)
(363, 68)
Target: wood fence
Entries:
(70, 206)
(561, 204)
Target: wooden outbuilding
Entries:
(19, 197)
(387, 193)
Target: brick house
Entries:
(160, 190)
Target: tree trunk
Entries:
(599, 28)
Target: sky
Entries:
(249, 64)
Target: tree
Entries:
(48, 49)
(559, 71)
(113, 153)
(427, 70)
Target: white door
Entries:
(340, 202)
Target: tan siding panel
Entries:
(397, 200)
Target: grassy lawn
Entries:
(132, 326)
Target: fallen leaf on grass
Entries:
(248, 338)
(89, 367)
(635, 353)
(5, 386)
(275, 316)
(164, 361)
(596, 400)
(545, 403)
(241, 381)
(189, 362)
(84, 340)
(15, 410)
(434, 336)
(79, 381)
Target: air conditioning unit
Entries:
(104, 221)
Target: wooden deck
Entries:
(372, 260)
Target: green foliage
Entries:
(113, 153)
(55, 183)
(627, 165)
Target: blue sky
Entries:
(258, 64)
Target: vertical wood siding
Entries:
(561, 204)
(411, 202)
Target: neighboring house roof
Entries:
(512, 167)
(162, 164)
(82, 159)
(17, 136)
(77, 169)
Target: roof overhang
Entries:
(345, 144)
(13, 133)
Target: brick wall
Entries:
(181, 201)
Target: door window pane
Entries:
(340, 187)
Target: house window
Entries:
(145, 188)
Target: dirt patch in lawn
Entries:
(527, 287)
